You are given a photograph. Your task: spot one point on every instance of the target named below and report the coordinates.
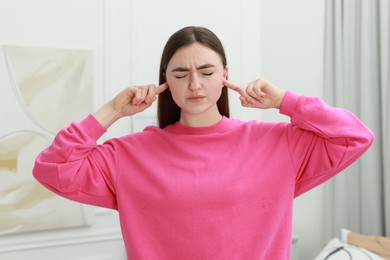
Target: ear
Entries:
(225, 72)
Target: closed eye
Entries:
(208, 74)
(180, 76)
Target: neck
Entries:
(201, 120)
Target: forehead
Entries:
(195, 54)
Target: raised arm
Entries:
(75, 167)
(322, 140)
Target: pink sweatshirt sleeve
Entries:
(69, 165)
(323, 140)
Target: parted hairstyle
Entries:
(168, 112)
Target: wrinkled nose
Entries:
(195, 82)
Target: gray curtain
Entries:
(357, 77)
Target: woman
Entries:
(202, 185)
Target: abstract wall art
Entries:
(43, 90)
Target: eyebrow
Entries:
(182, 69)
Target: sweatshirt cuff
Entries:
(289, 104)
(93, 127)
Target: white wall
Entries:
(281, 40)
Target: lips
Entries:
(196, 97)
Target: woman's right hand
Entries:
(133, 100)
(128, 102)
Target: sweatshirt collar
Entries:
(178, 128)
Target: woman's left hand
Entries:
(258, 94)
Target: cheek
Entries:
(174, 85)
(216, 88)
(177, 90)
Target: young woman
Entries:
(202, 185)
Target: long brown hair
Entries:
(168, 112)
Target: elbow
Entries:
(369, 138)
(35, 171)
(365, 140)
(38, 173)
(46, 174)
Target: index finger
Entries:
(240, 90)
(231, 85)
(162, 88)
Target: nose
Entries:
(195, 82)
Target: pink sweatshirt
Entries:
(220, 192)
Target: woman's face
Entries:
(195, 77)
